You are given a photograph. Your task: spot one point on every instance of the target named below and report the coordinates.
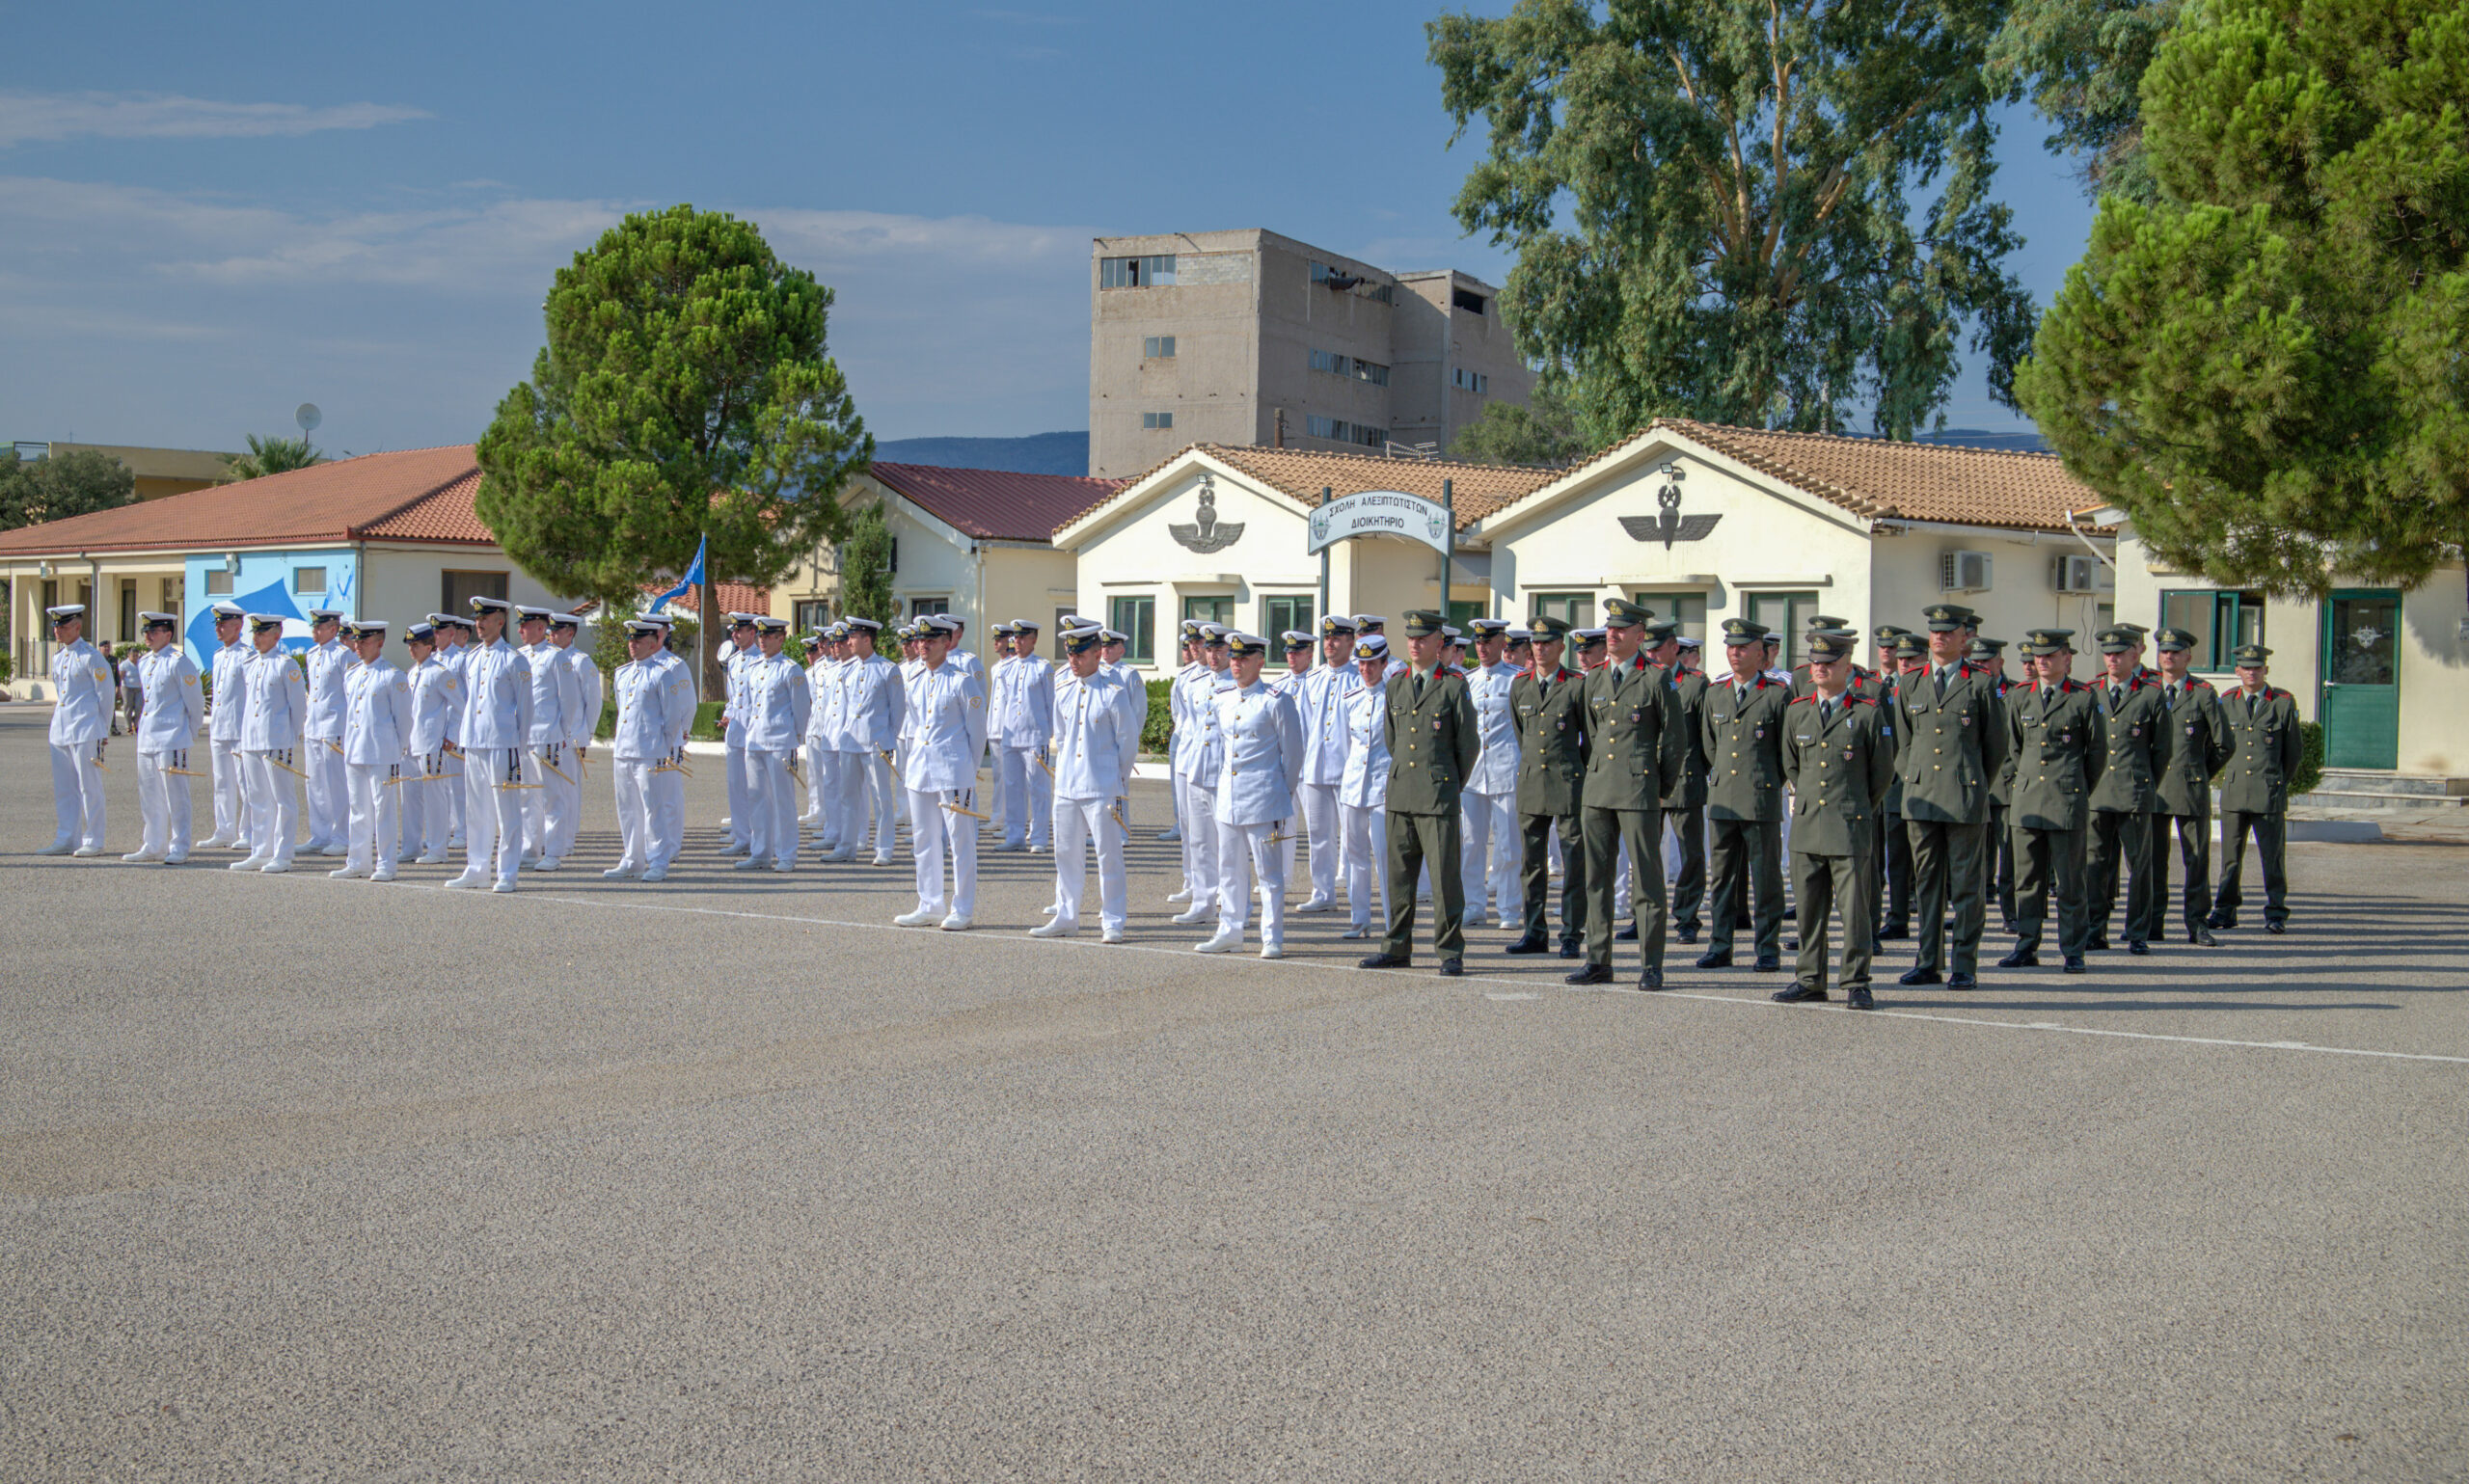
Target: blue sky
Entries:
(209, 214)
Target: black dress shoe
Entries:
(2219, 924)
(1688, 935)
(1767, 964)
(1793, 993)
(1860, 999)
(2138, 947)
(2202, 938)
(2073, 964)
(1651, 980)
(1892, 935)
(1572, 950)
(1962, 980)
(1451, 968)
(1531, 943)
(1715, 959)
(2276, 929)
(1791, 945)
(1386, 961)
(2021, 958)
(1628, 934)
(1591, 974)
(2099, 942)
(1921, 976)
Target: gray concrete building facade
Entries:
(1250, 338)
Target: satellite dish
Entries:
(307, 417)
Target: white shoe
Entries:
(334, 850)
(86, 851)
(750, 863)
(1272, 951)
(1185, 894)
(1171, 836)
(654, 873)
(1198, 912)
(1355, 931)
(468, 880)
(176, 860)
(783, 867)
(527, 862)
(386, 875)
(347, 872)
(955, 923)
(214, 842)
(251, 863)
(737, 849)
(620, 874)
(456, 843)
(1111, 935)
(140, 857)
(549, 863)
(58, 848)
(1057, 929)
(921, 918)
(502, 886)
(274, 868)
(1046, 911)
(1315, 905)
(438, 859)
(883, 860)
(1223, 943)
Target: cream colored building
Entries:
(157, 471)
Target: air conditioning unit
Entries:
(2081, 575)
(1963, 571)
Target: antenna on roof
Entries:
(307, 417)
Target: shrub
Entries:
(2310, 759)
(707, 721)
(1157, 734)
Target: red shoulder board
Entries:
(2070, 688)
(1866, 700)
(2272, 694)
(1804, 700)
(2197, 679)
(1762, 681)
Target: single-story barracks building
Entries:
(1697, 522)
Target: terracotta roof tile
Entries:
(1479, 489)
(416, 494)
(995, 505)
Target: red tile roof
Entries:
(1478, 488)
(995, 505)
(421, 495)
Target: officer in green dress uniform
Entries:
(1950, 739)
(1434, 738)
(1997, 852)
(2055, 727)
(2136, 719)
(1742, 732)
(1548, 704)
(1839, 761)
(1686, 806)
(2198, 748)
(1816, 624)
(2266, 746)
(1908, 654)
(1636, 760)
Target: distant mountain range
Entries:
(2016, 441)
(1038, 453)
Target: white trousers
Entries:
(231, 804)
(1325, 829)
(1077, 821)
(735, 757)
(492, 815)
(1028, 795)
(549, 812)
(1366, 833)
(377, 816)
(566, 805)
(1175, 784)
(1488, 822)
(428, 819)
(77, 793)
(819, 779)
(274, 807)
(934, 828)
(1200, 840)
(864, 802)
(770, 806)
(163, 803)
(1245, 854)
(456, 803)
(651, 812)
(329, 799)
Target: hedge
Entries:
(1158, 733)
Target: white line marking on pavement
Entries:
(1490, 996)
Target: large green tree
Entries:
(80, 483)
(1541, 430)
(686, 394)
(2082, 61)
(1712, 203)
(865, 566)
(270, 456)
(2263, 365)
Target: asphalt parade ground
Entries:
(731, 1178)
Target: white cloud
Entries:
(58, 115)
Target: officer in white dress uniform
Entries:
(1179, 730)
(495, 743)
(432, 772)
(1023, 725)
(228, 667)
(329, 660)
(1323, 700)
(742, 651)
(947, 712)
(556, 710)
(81, 727)
(1367, 624)
(378, 719)
(1094, 746)
(1261, 758)
(454, 652)
(565, 805)
(873, 707)
(655, 711)
(823, 666)
(173, 710)
(270, 741)
(1488, 802)
(913, 664)
(1296, 645)
(1363, 791)
(1202, 762)
(1135, 706)
(778, 703)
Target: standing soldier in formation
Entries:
(655, 711)
(2135, 721)
(496, 734)
(1987, 657)
(1023, 725)
(173, 710)
(1839, 761)
(428, 819)
(1298, 648)
(277, 699)
(1634, 734)
(777, 707)
(1549, 702)
(1179, 727)
(322, 758)
(947, 730)
(742, 651)
(2054, 726)
(1898, 649)
(2266, 747)
(1685, 809)
(1261, 748)
(453, 632)
(1433, 737)
(1324, 698)
(1363, 792)
(566, 809)
(1949, 734)
(224, 711)
(2198, 748)
(377, 723)
(1489, 797)
(1096, 741)
(1742, 733)
(556, 712)
(1203, 756)
(868, 689)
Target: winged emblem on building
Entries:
(1671, 525)
(1207, 533)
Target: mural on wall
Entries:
(1207, 533)
(267, 584)
(1670, 526)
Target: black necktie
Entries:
(1418, 684)
(2117, 697)
(2173, 695)
(1826, 713)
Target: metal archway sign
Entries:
(1381, 513)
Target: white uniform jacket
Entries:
(1094, 740)
(557, 695)
(947, 708)
(873, 705)
(1262, 746)
(778, 703)
(231, 691)
(277, 704)
(497, 700)
(82, 679)
(654, 709)
(1029, 707)
(1366, 784)
(1495, 770)
(1205, 757)
(378, 715)
(175, 702)
(592, 688)
(329, 664)
(1326, 691)
(434, 689)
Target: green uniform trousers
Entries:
(2272, 843)
(1749, 858)
(1415, 841)
(1847, 885)
(1947, 875)
(1893, 850)
(2048, 860)
(1689, 888)
(1997, 863)
(2194, 847)
(1535, 874)
(2122, 846)
(1607, 830)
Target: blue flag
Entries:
(694, 576)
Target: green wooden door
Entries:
(2361, 680)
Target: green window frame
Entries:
(2220, 619)
(1136, 618)
(1280, 612)
(1209, 609)
(1787, 613)
(1576, 609)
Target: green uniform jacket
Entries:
(1883, 693)
(2060, 749)
(2198, 745)
(1689, 694)
(1633, 727)
(1744, 736)
(1551, 741)
(1949, 749)
(1433, 743)
(2002, 792)
(2265, 746)
(2138, 734)
(1839, 771)
(1864, 684)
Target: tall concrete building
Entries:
(1250, 337)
